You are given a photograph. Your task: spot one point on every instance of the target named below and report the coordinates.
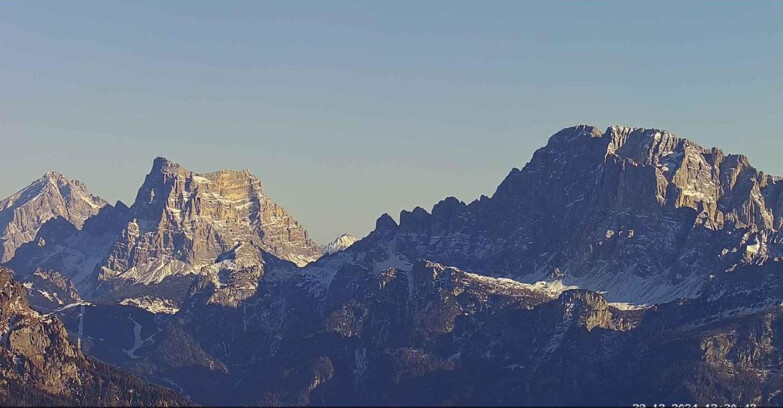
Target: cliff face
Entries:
(51, 196)
(182, 217)
(48, 291)
(180, 223)
(639, 213)
(40, 366)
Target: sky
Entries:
(348, 110)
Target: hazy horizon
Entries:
(346, 111)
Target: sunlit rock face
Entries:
(183, 221)
(51, 196)
(180, 223)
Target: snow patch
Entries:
(627, 306)
(201, 180)
(152, 305)
(138, 342)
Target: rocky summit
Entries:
(339, 244)
(180, 223)
(209, 213)
(640, 214)
(51, 196)
(618, 266)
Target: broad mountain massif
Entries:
(618, 266)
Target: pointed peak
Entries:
(49, 178)
(448, 206)
(340, 243)
(385, 223)
(162, 165)
(121, 205)
(420, 210)
(160, 161)
(50, 182)
(53, 175)
(56, 184)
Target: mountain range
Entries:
(180, 224)
(618, 266)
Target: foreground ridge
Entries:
(40, 366)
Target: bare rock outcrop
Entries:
(51, 196)
(180, 223)
(40, 366)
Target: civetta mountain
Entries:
(617, 266)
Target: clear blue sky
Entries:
(349, 110)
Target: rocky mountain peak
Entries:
(53, 195)
(385, 223)
(339, 244)
(591, 197)
(182, 221)
(179, 224)
(167, 178)
(162, 165)
(653, 168)
(53, 175)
